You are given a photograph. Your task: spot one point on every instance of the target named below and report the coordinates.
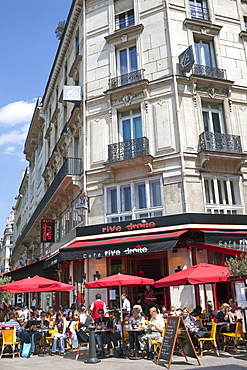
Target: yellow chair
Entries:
(157, 345)
(235, 336)
(211, 340)
(49, 337)
(9, 339)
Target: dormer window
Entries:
(124, 13)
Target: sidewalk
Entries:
(226, 361)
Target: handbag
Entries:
(82, 336)
(26, 350)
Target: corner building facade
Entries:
(136, 154)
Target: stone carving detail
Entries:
(124, 38)
(211, 91)
(127, 98)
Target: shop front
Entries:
(154, 249)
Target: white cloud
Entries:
(16, 112)
(9, 150)
(14, 136)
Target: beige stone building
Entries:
(140, 134)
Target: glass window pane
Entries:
(226, 194)
(213, 192)
(141, 196)
(215, 258)
(133, 59)
(207, 194)
(123, 62)
(126, 129)
(155, 196)
(206, 54)
(206, 121)
(197, 52)
(216, 122)
(113, 200)
(137, 127)
(220, 192)
(122, 21)
(233, 193)
(125, 199)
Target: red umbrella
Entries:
(119, 280)
(203, 273)
(36, 284)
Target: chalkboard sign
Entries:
(169, 339)
(176, 332)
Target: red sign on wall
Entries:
(47, 232)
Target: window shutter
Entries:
(122, 6)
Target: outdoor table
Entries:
(45, 331)
(135, 331)
(219, 326)
(102, 331)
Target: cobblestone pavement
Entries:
(226, 361)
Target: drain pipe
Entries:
(180, 129)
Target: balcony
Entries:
(207, 71)
(128, 149)
(199, 12)
(126, 79)
(72, 166)
(217, 142)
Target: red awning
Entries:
(125, 240)
(220, 249)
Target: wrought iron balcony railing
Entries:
(207, 71)
(128, 149)
(200, 12)
(72, 166)
(128, 19)
(126, 79)
(214, 141)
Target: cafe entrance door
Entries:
(149, 266)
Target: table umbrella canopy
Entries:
(203, 273)
(36, 284)
(119, 280)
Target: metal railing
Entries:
(122, 22)
(207, 71)
(128, 149)
(126, 79)
(72, 166)
(198, 11)
(214, 141)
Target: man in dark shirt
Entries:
(149, 299)
(102, 323)
(33, 326)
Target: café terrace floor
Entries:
(226, 361)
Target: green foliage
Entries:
(238, 267)
(60, 29)
(4, 296)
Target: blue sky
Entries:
(28, 46)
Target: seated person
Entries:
(116, 333)
(173, 311)
(225, 315)
(164, 312)
(197, 312)
(103, 322)
(156, 325)
(190, 325)
(35, 334)
(138, 320)
(61, 327)
(71, 322)
(12, 321)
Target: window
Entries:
(130, 124)
(245, 22)
(222, 195)
(65, 224)
(134, 200)
(204, 53)
(77, 45)
(125, 19)
(127, 60)
(213, 117)
(124, 13)
(198, 9)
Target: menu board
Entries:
(169, 339)
(176, 332)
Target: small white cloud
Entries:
(16, 112)
(14, 137)
(9, 150)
